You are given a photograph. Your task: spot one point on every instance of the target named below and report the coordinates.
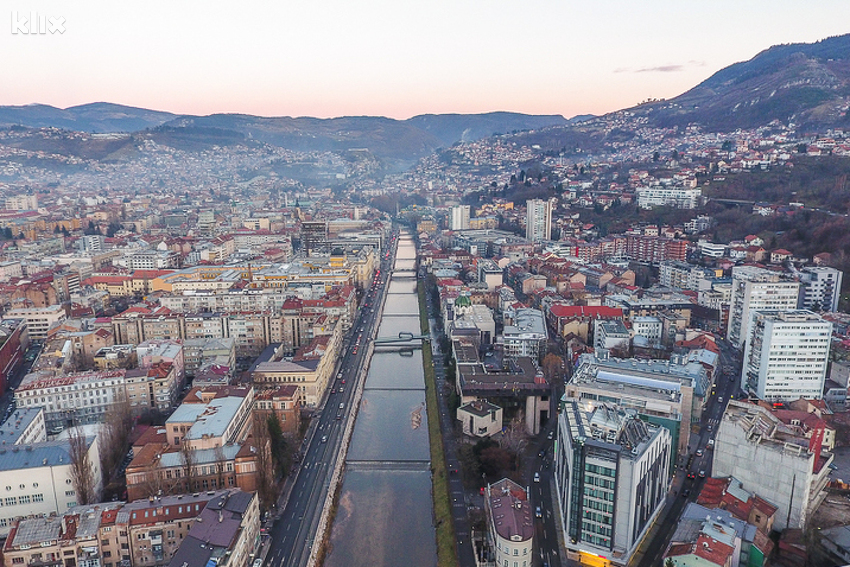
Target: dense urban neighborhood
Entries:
(611, 343)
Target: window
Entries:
(24, 500)
(11, 501)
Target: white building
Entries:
(757, 289)
(21, 203)
(612, 472)
(72, 398)
(527, 336)
(786, 355)
(92, 243)
(772, 459)
(35, 473)
(651, 328)
(538, 220)
(10, 269)
(510, 523)
(460, 218)
(39, 319)
(821, 288)
(610, 334)
(679, 197)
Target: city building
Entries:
(821, 288)
(13, 344)
(786, 355)
(612, 471)
(38, 474)
(757, 289)
(510, 524)
(39, 319)
(773, 459)
(669, 393)
(538, 220)
(76, 398)
(146, 533)
(526, 336)
(459, 218)
(708, 537)
(314, 237)
(211, 417)
(227, 532)
(284, 403)
(21, 202)
(611, 334)
(480, 418)
(677, 197)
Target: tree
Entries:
(552, 364)
(261, 443)
(669, 562)
(189, 460)
(115, 437)
(82, 471)
(220, 465)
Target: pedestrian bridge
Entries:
(403, 337)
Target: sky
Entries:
(328, 58)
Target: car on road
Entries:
(720, 399)
(551, 435)
(542, 453)
(702, 474)
(324, 438)
(691, 476)
(537, 477)
(538, 512)
(686, 493)
(700, 452)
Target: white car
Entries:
(537, 477)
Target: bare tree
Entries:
(552, 364)
(82, 474)
(187, 456)
(261, 442)
(115, 437)
(220, 463)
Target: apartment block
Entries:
(786, 355)
(757, 289)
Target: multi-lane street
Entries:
(695, 466)
(293, 534)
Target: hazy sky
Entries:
(393, 58)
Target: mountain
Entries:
(384, 137)
(94, 117)
(451, 128)
(804, 83)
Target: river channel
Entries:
(385, 513)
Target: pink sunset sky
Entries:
(330, 58)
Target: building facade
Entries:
(786, 355)
(612, 472)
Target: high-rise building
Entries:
(757, 289)
(460, 218)
(21, 202)
(611, 473)
(314, 237)
(821, 288)
(538, 221)
(786, 355)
